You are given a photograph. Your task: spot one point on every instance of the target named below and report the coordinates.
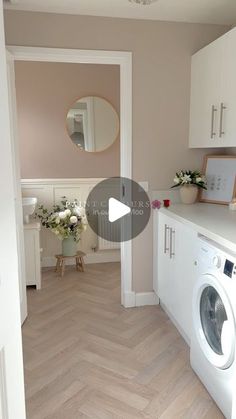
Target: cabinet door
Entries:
(227, 123)
(163, 260)
(183, 275)
(176, 244)
(205, 96)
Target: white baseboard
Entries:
(146, 299)
(129, 299)
(96, 257)
(103, 256)
(132, 299)
(181, 331)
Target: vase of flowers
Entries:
(69, 246)
(67, 220)
(188, 194)
(189, 182)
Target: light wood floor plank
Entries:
(87, 357)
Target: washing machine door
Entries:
(213, 321)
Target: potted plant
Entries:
(67, 220)
(189, 182)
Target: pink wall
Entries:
(161, 92)
(45, 92)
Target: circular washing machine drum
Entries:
(213, 321)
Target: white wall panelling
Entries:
(109, 230)
(50, 192)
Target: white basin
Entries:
(29, 205)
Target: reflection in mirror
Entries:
(92, 123)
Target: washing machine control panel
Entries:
(229, 268)
(216, 261)
(217, 258)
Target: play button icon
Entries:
(117, 210)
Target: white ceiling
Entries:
(202, 11)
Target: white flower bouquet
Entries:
(189, 177)
(67, 219)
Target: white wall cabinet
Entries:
(175, 270)
(213, 94)
(32, 254)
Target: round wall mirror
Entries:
(92, 123)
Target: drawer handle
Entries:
(166, 249)
(172, 243)
(222, 108)
(213, 111)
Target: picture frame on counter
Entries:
(220, 172)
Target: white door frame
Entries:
(17, 184)
(124, 60)
(12, 403)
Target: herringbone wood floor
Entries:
(88, 357)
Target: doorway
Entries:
(124, 60)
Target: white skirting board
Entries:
(129, 299)
(146, 299)
(186, 338)
(132, 299)
(96, 257)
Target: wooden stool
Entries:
(61, 262)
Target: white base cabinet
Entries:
(32, 254)
(176, 252)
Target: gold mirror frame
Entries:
(92, 123)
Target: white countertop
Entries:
(216, 222)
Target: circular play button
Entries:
(118, 209)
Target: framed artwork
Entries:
(220, 172)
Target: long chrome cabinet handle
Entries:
(213, 111)
(166, 249)
(222, 108)
(172, 243)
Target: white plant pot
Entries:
(188, 194)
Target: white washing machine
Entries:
(212, 352)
